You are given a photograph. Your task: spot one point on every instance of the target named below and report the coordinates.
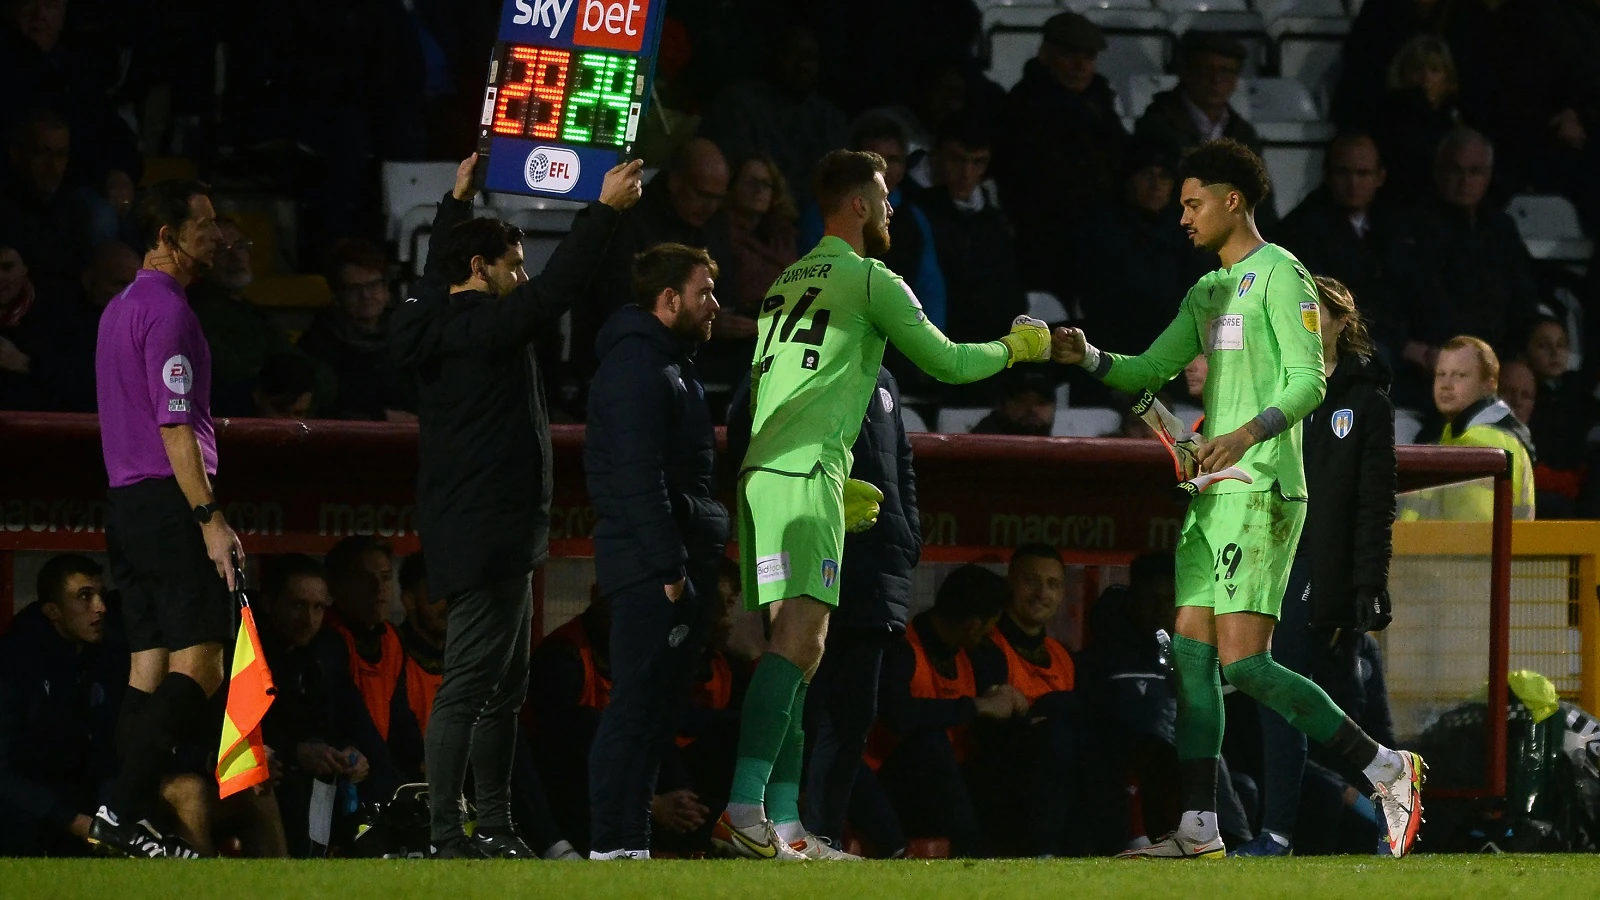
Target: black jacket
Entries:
(1350, 480)
(1379, 267)
(650, 455)
(1122, 672)
(58, 716)
(977, 253)
(1476, 277)
(875, 586)
(369, 383)
(483, 489)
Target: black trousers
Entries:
(475, 712)
(841, 706)
(655, 645)
(930, 793)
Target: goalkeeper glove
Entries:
(861, 501)
(1029, 341)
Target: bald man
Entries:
(63, 329)
(679, 205)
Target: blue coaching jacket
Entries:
(875, 586)
(650, 458)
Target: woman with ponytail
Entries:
(1338, 587)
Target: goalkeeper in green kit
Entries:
(1256, 320)
(820, 341)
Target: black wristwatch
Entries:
(203, 514)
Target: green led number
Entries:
(602, 92)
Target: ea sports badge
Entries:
(1343, 421)
(1245, 282)
(1310, 318)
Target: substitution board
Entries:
(568, 86)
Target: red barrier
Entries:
(300, 486)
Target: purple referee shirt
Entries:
(152, 367)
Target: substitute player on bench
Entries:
(821, 339)
(1256, 319)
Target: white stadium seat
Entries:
(960, 419)
(1282, 110)
(1084, 6)
(1086, 421)
(1309, 51)
(1549, 226)
(1295, 171)
(408, 185)
(1183, 6)
(1272, 10)
(1137, 43)
(1011, 35)
(1047, 306)
(1406, 425)
(1246, 27)
(912, 419)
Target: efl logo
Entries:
(552, 169)
(613, 24)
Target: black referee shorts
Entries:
(172, 596)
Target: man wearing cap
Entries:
(1028, 406)
(1057, 152)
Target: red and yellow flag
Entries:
(242, 756)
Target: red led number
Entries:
(532, 92)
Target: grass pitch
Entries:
(1452, 877)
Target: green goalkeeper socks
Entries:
(765, 728)
(783, 787)
(1287, 693)
(1199, 727)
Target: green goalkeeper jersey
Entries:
(1258, 326)
(819, 345)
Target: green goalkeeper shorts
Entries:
(1236, 550)
(791, 536)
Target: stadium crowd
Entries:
(989, 736)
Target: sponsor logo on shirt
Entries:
(1343, 419)
(1227, 333)
(830, 573)
(178, 373)
(1309, 317)
(1245, 282)
(676, 635)
(178, 406)
(552, 169)
(772, 568)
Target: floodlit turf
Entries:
(1453, 877)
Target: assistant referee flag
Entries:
(242, 755)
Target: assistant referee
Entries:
(170, 549)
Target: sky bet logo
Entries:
(612, 24)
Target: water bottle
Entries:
(347, 790)
(1163, 648)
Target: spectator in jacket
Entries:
(59, 689)
(761, 218)
(68, 326)
(304, 726)
(1028, 406)
(20, 337)
(977, 251)
(284, 389)
(780, 115)
(659, 536)
(1044, 773)
(1563, 412)
(55, 222)
(1343, 231)
(1058, 154)
(1380, 30)
(1476, 277)
(241, 336)
(349, 338)
(929, 699)
(1341, 571)
(1143, 262)
(483, 493)
(1198, 109)
(911, 252)
(1519, 389)
(1464, 384)
(680, 205)
(1417, 112)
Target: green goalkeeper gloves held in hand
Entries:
(861, 501)
(1029, 341)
